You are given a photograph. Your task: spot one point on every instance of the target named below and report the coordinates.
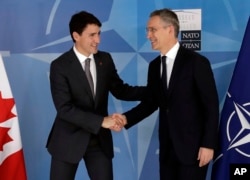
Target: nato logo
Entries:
(237, 132)
(238, 129)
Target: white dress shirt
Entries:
(171, 54)
(82, 59)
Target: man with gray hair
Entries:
(182, 86)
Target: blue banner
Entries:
(235, 119)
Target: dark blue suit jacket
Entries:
(188, 112)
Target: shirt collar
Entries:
(80, 56)
(173, 51)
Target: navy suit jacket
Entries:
(78, 114)
(188, 112)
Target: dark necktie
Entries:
(88, 74)
(164, 73)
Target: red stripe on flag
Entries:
(13, 167)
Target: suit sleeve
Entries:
(210, 104)
(149, 103)
(122, 90)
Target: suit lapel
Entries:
(175, 71)
(78, 70)
(99, 78)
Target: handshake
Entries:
(114, 122)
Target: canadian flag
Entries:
(12, 166)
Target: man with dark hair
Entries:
(81, 80)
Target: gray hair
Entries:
(169, 17)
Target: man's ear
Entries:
(75, 36)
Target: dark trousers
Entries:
(99, 166)
(173, 169)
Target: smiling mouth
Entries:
(153, 43)
(95, 47)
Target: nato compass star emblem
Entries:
(238, 129)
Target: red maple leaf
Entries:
(4, 137)
(5, 108)
(5, 113)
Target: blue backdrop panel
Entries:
(34, 32)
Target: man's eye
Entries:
(152, 30)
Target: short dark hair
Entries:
(80, 20)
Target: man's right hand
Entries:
(112, 122)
